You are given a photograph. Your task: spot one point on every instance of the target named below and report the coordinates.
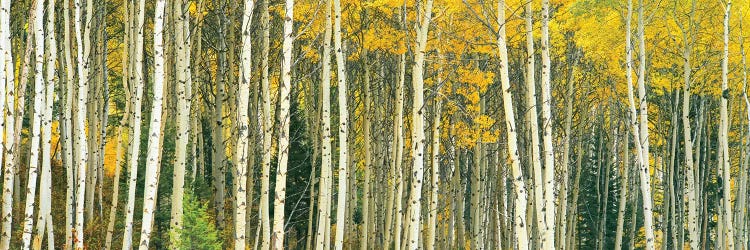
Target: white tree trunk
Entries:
(548, 150)
(184, 91)
(267, 133)
(637, 126)
(519, 187)
(39, 99)
(728, 233)
(398, 128)
(45, 190)
(7, 80)
(284, 120)
(434, 179)
(623, 192)
(418, 137)
(137, 31)
(324, 200)
(343, 125)
(243, 130)
(152, 159)
(689, 192)
(68, 129)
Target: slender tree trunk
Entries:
(689, 191)
(45, 191)
(728, 233)
(267, 133)
(563, 205)
(434, 179)
(324, 206)
(343, 123)
(418, 138)
(39, 102)
(638, 127)
(548, 149)
(68, 130)
(138, 82)
(243, 99)
(365, 236)
(624, 178)
(519, 187)
(398, 149)
(152, 159)
(284, 119)
(7, 78)
(218, 170)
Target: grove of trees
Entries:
(374, 124)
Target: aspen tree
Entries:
(563, 205)
(218, 170)
(692, 220)
(741, 200)
(68, 129)
(44, 221)
(434, 178)
(418, 138)
(728, 233)
(39, 99)
(547, 122)
(267, 132)
(138, 82)
(7, 78)
(184, 89)
(365, 236)
(243, 99)
(640, 140)
(81, 141)
(624, 179)
(398, 128)
(531, 120)
(284, 119)
(324, 200)
(343, 123)
(152, 166)
(519, 187)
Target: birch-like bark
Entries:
(531, 120)
(519, 187)
(689, 192)
(418, 137)
(267, 132)
(564, 171)
(44, 217)
(624, 179)
(39, 100)
(343, 123)
(243, 130)
(398, 150)
(324, 200)
(549, 183)
(741, 202)
(152, 158)
(365, 236)
(728, 233)
(7, 79)
(68, 129)
(138, 82)
(284, 120)
(218, 168)
(640, 137)
(434, 179)
(184, 90)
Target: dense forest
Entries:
(374, 124)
